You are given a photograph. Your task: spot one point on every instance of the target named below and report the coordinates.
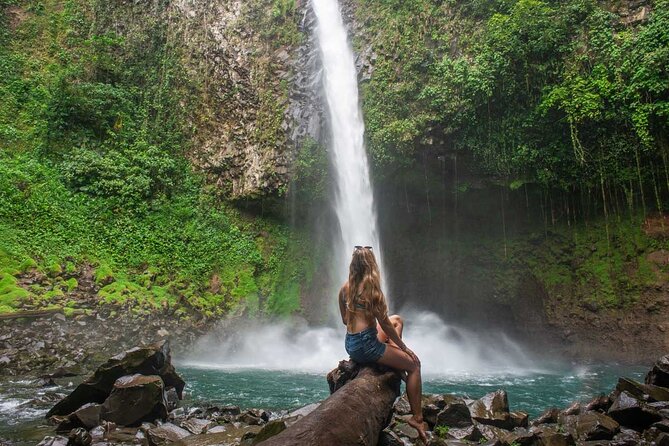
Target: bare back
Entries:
(364, 312)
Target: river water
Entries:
(21, 421)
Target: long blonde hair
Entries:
(364, 281)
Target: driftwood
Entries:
(356, 412)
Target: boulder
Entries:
(165, 434)
(54, 441)
(595, 426)
(79, 437)
(250, 419)
(627, 437)
(135, 398)
(389, 438)
(659, 374)
(548, 436)
(455, 414)
(196, 425)
(520, 437)
(632, 412)
(600, 403)
(492, 409)
(401, 406)
(87, 416)
(469, 433)
(662, 439)
(217, 429)
(574, 409)
(430, 412)
(644, 392)
(518, 419)
(120, 434)
(172, 399)
(152, 360)
(492, 432)
(548, 416)
(662, 425)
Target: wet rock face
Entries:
(659, 374)
(632, 412)
(135, 398)
(455, 414)
(151, 360)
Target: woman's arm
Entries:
(381, 313)
(342, 305)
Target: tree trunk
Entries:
(355, 414)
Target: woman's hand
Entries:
(412, 355)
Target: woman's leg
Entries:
(397, 359)
(397, 322)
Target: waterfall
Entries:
(354, 199)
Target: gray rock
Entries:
(54, 441)
(492, 409)
(79, 437)
(196, 425)
(151, 360)
(455, 414)
(632, 412)
(548, 416)
(134, 399)
(165, 434)
(659, 374)
(389, 438)
(595, 426)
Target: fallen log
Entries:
(354, 414)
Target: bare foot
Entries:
(419, 425)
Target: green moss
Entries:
(54, 269)
(27, 264)
(70, 267)
(11, 294)
(69, 311)
(286, 300)
(103, 274)
(52, 295)
(71, 284)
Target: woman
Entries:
(362, 304)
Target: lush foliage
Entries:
(559, 94)
(93, 175)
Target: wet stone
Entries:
(196, 425)
(165, 434)
(456, 414)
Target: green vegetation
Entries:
(561, 95)
(580, 266)
(441, 431)
(93, 175)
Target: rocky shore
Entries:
(51, 344)
(134, 398)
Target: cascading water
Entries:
(297, 347)
(354, 199)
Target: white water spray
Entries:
(444, 350)
(354, 199)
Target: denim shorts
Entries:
(364, 347)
